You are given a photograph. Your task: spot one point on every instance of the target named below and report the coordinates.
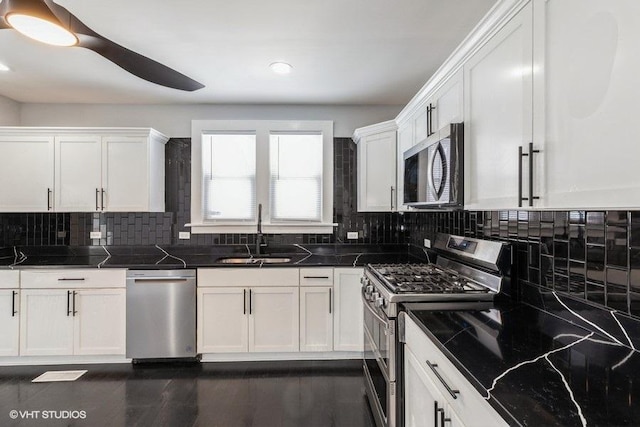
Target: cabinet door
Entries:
(274, 319)
(316, 318)
(9, 322)
(223, 320)
(421, 124)
(99, 321)
(125, 173)
(348, 317)
(588, 99)
(448, 103)
(46, 322)
(26, 173)
(377, 172)
(78, 173)
(405, 141)
(498, 115)
(423, 402)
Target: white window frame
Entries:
(262, 130)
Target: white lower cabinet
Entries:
(348, 314)
(9, 322)
(273, 319)
(99, 322)
(223, 320)
(424, 405)
(316, 318)
(237, 319)
(57, 322)
(430, 379)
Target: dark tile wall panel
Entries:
(591, 255)
(35, 229)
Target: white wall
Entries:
(175, 120)
(9, 112)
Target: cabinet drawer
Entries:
(9, 279)
(250, 277)
(316, 276)
(73, 278)
(469, 404)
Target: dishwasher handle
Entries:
(162, 279)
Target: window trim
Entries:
(262, 130)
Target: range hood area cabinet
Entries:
(82, 170)
(536, 86)
(376, 157)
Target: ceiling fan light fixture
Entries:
(280, 67)
(42, 30)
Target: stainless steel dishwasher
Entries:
(161, 314)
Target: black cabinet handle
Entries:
(13, 304)
(452, 392)
(102, 198)
(530, 154)
(97, 195)
(430, 130)
(443, 419)
(250, 292)
(244, 301)
(315, 277)
(330, 300)
(71, 279)
(68, 303)
(49, 199)
(74, 303)
(435, 413)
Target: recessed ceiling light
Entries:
(281, 67)
(3, 67)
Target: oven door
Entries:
(379, 364)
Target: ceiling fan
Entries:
(48, 22)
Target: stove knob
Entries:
(369, 289)
(380, 302)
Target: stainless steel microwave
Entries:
(433, 171)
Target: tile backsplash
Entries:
(591, 255)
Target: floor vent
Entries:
(54, 376)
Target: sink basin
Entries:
(255, 260)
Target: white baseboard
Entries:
(60, 360)
(259, 357)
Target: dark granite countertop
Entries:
(538, 369)
(169, 257)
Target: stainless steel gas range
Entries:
(468, 273)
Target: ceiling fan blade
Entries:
(139, 65)
(133, 62)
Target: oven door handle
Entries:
(372, 311)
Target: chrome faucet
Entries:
(259, 236)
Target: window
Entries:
(296, 176)
(229, 176)
(285, 166)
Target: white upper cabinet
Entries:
(587, 101)
(26, 173)
(446, 105)
(498, 116)
(82, 169)
(78, 173)
(133, 173)
(377, 159)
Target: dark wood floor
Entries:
(318, 393)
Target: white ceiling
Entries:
(370, 52)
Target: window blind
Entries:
(295, 161)
(229, 176)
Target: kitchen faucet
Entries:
(259, 236)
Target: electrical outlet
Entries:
(427, 243)
(184, 235)
(95, 235)
(352, 235)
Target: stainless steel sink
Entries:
(254, 260)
